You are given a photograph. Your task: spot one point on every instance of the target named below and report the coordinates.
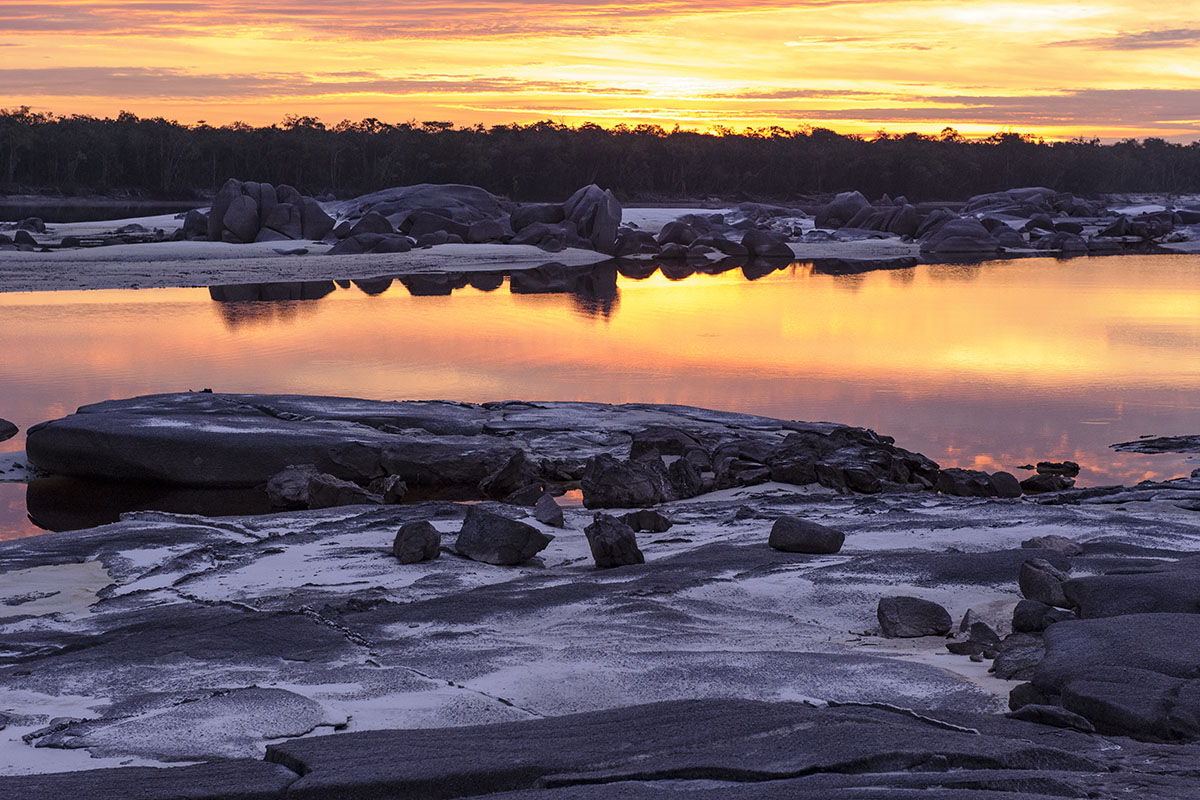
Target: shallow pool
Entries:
(989, 366)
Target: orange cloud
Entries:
(1111, 68)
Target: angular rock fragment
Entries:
(7, 430)
(548, 512)
(416, 542)
(1042, 581)
(613, 543)
(796, 535)
(910, 617)
(494, 539)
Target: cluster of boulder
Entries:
(692, 237)
(22, 238)
(990, 223)
(248, 211)
(1050, 477)
(1112, 653)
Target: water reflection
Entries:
(987, 366)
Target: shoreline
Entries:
(197, 264)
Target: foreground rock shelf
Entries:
(717, 661)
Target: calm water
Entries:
(989, 366)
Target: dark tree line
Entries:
(159, 158)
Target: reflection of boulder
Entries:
(288, 290)
(433, 285)
(485, 281)
(636, 270)
(373, 286)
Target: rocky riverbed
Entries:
(796, 611)
(259, 233)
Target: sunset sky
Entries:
(1105, 68)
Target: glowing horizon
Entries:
(1109, 69)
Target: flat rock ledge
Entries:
(744, 750)
(625, 456)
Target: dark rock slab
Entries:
(1161, 444)
(191, 726)
(7, 430)
(797, 535)
(416, 542)
(236, 779)
(1168, 589)
(739, 741)
(498, 540)
(909, 617)
(1135, 675)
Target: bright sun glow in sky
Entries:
(1108, 68)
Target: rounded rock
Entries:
(416, 542)
(795, 535)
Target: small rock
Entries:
(494, 539)
(613, 543)
(909, 617)
(796, 535)
(548, 512)
(7, 430)
(1058, 544)
(416, 542)
(1042, 581)
(647, 520)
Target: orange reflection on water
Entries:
(989, 366)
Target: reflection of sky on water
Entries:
(988, 366)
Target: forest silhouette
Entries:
(160, 158)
